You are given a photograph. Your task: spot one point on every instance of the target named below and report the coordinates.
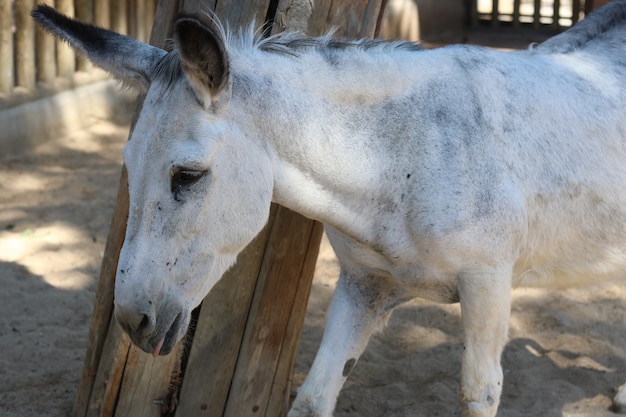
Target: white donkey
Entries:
(453, 174)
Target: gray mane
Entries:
(169, 69)
(294, 44)
(600, 23)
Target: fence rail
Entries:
(30, 59)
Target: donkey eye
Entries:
(182, 179)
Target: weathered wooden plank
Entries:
(163, 17)
(24, 44)
(369, 22)
(350, 18)
(108, 376)
(6, 47)
(238, 13)
(318, 22)
(196, 6)
(278, 402)
(146, 384)
(66, 64)
(292, 15)
(218, 336)
(103, 303)
(263, 368)
(262, 351)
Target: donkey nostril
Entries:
(145, 325)
(133, 321)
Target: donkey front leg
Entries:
(485, 307)
(358, 306)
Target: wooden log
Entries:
(45, 55)
(66, 64)
(119, 16)
(102, 13)
(141, 30)
(6, 47)
(149, 17)
(24, 44)
(84, 13)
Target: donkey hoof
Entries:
(619, 402)
(304, 409)
(479, 408)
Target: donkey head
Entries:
(199, 188)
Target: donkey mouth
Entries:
(165, 345)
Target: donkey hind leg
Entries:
(485, 308)
(358, 307)
(619, 401)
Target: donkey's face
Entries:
(199, 189)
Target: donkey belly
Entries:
(576, 238)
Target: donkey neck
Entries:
(319, 120)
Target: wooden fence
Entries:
(554, 14)
(31, 60)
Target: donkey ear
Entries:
(204, 59)
(127, 59)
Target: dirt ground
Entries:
(566, 357)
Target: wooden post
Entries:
(102, 13)
(6, 47)
(45, 56)
(495, 13)
(25, 44)
(65, 55)
(84, 13)
(575, 11)
(516, 13)
(242, 350)
(537, 13)
(119, 16)
(556, 13)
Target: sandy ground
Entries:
(566, 357)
